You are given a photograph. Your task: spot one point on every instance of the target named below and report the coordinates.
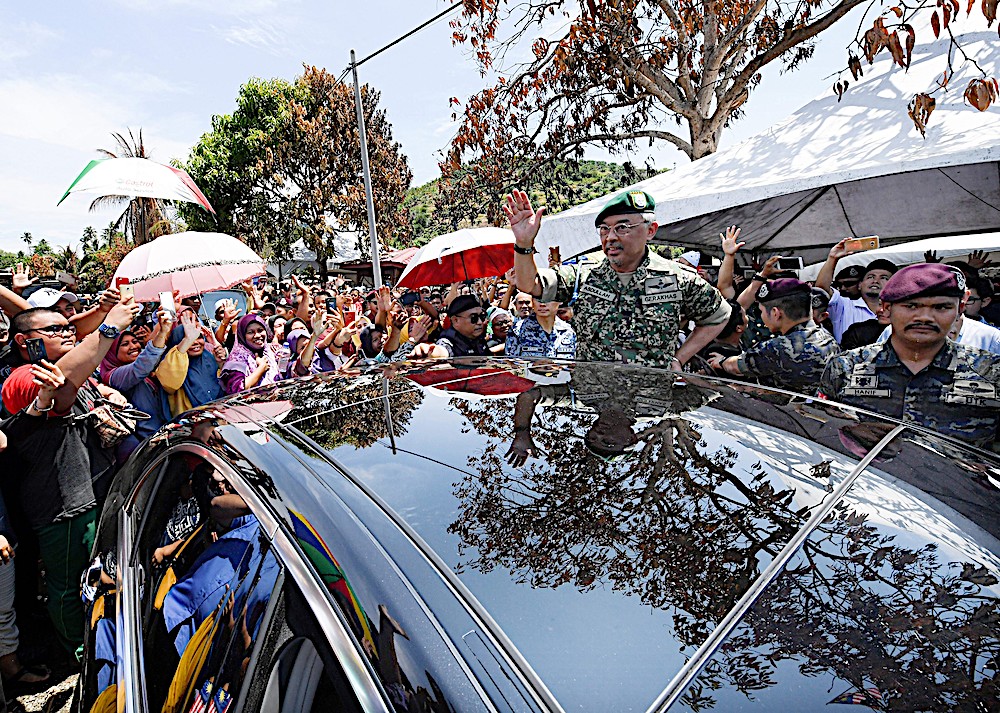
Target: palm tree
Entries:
(140, 214)
(27, 238)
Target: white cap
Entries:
(219, 304)
(692, 258)
(47, 297)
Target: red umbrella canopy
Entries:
(466, 254)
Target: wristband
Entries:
(34, 405)
(524, 251)
(759, 278)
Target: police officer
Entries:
(795, 358)
(918, 374)
(630, 306)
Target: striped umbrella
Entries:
(138, 177)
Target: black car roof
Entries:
(599, 567)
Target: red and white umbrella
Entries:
(463, 255)
(189, 262)
(137, 177)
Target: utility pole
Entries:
(372, 232)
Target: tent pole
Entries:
(376, 263)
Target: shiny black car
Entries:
(497, 535)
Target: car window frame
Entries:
(362, 679)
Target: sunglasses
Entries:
(474, 318)
(54, 329)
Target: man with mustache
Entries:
(919, 375)
(630, 306)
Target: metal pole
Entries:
(376, 263)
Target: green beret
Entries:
(625, 203)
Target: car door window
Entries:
(294, 669)
(207, 573)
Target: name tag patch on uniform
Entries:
(864, 382)
(971, 392)
(598, 293)
(660, 289)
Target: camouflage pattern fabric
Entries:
(794, 360)
(956, 395)
(637, 323)
(756, 331)
(527, 338)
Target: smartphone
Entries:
(119, 281)
(790, 263)
(349, 316)
(331, 304)
(869, 242)
(126, 290)
(410, 298)
(36, 350)
(554, 255)
(748, 273)
(167, 302)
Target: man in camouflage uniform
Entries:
(629, 307)
(796, 357)
(918, 374)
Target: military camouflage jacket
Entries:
(956, 395)
(794, 360)
(640, 321)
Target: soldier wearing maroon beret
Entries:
(795, 358)
(919, 375)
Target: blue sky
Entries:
(71, 73)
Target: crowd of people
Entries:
(84, 382)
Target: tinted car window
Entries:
(632, 517)
(295, 670)
(893, 603)
(209, 574)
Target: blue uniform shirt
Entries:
(528, 339)
(956, 395)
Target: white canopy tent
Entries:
(947, 249)
(835, 169)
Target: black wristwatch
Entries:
(109, 331)
(524, 251)
(759, 278)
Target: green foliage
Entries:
(433, 211)
(286, 165)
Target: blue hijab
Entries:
(202, 382)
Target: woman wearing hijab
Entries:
(188, 374)
(253, 361)
(128, 367)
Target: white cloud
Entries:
(271, 36)
(24, 39)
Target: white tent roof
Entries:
(832, 170)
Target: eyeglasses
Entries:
(522, 302)
(501, 325)
(620, 230)
(474, 318)
(54, 329)
(975, 299)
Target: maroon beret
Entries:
(776, 289)
(924, 280)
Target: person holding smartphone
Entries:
(844, 311)
(61, 469)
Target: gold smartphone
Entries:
(869, 242)
(126, 291)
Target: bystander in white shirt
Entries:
(971, 333)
